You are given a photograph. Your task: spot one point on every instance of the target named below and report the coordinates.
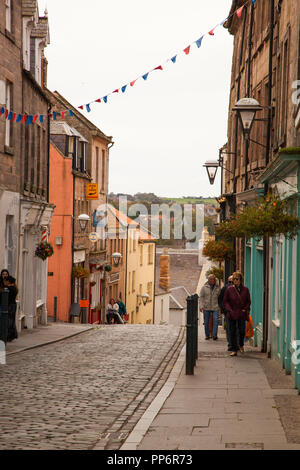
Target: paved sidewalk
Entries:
(29, 339)
(227, 404)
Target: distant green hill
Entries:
(182, 200)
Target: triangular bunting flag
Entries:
(6, 114)
(41, 118)
(10, 115)
(34, 118)
(187, 50)
(158, 68)
(2, 111)
(145, 76)
(70, 112)
(199, 41)
(88, 108)
(14, 117)
(24, 118)
(80, 107)
(174, 59)
(19, 118)
(240, 11)
(133, 82)
(105, 99)
(98, 100)
(62, 114)
(211, 33)
(116, 91)
(123, 88)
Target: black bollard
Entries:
(189, 338)
(55, 309)
(4, 315)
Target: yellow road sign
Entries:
(92, 191)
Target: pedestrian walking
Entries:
(112, 312)
(237, 303)
(208, 303)
(9, 282)
(223, 309)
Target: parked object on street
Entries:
(191, 334)
(237, 304)
(209, 305)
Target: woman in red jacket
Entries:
(237, 304)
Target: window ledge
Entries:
(10, 36)
(9, 150)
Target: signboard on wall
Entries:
(92, 191)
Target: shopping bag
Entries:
(249, 328)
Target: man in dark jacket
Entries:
(223, 309)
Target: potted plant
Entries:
(217, 250)
(108, 268)
(44, 250)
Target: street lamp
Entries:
(116, 257)
(213, 165)
(247, 109)
(144, 297)
(83, 221)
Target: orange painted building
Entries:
(60, 264)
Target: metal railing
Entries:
(191, 333)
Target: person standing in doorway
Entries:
(237, 303)
(208, 303)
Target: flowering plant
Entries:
(217, 250)
(44, 250)
(80, 272)
(268, 218)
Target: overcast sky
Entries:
(164, 128)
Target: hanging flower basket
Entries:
(217, 250)
(217, 272)
(44, 250)
(268, 218)
(79, 272)
(108, 268)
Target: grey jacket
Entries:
(208, 299)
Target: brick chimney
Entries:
(164, 276)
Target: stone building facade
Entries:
(266, 67)
(24, 203)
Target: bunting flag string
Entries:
(31, 119)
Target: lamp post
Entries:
(83, 220)
(246, 109)
(144, 297)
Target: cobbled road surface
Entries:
(86, 392)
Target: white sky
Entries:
(164, 128)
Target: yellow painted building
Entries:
(140, 276)
(136, 271)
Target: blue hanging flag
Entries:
(199, 41)
(145, 76)
(29, 120)
(123, 88)
(174, 59)
(2, 111)
(10, 115)
(88, 108)
(70, 112)
(105, 99)
(19, 118)
(41, 118)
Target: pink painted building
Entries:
(60, 264)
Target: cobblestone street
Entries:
(87, 391)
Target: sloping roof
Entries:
(78, 114)
(178, 297)
(125, 221)
(62, 128)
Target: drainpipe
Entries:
(73, 230)
(249, 89)
(233, 206)
(268, 148)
